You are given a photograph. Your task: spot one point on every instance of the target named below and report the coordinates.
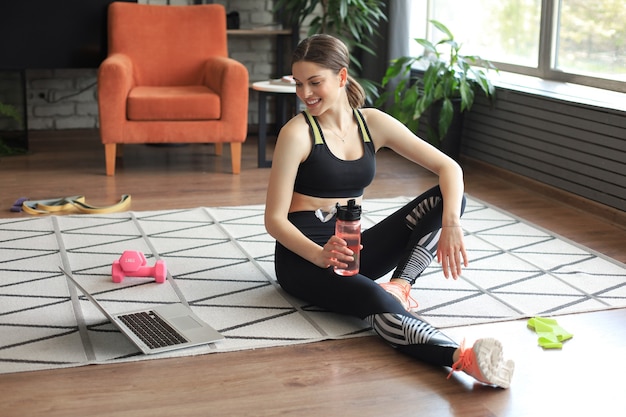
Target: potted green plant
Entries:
(11, 112)
(354, 22)
(445, 87)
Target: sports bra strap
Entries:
(364, 132)
(317, 132)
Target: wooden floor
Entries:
(358, 377)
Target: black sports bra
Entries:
(322, 174)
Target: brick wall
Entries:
(66, 98)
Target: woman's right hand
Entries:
(335, 253)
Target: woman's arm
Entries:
(389, 132)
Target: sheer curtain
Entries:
(392, 43)
(399, 19)
(399, 12)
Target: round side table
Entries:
(266, 89)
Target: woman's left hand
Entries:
(451, 251)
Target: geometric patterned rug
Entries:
(220, 263)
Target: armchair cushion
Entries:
(173, 103)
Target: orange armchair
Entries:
(168, 79)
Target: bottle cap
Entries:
(350, 212)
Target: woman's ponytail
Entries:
(356, 94)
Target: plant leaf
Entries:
(442, 28)
(427, 45)
(467, 95)
(445, 117)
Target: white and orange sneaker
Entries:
(484, 362)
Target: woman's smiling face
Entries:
(318, 87)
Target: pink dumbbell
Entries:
(132, 263)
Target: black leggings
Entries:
(387, 245)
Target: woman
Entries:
(326, 155)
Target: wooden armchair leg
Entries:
(235, 156)
(109, 158)
(219, 148)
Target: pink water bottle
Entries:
(348, 227)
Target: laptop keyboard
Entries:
(152, 329)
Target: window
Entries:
(577, 41)
(591, 38)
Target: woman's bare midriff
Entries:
(301, 202)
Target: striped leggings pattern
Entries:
(400, 330)
(423, 253)
(421, 256)
(420, 211)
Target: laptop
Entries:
(161, 328)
